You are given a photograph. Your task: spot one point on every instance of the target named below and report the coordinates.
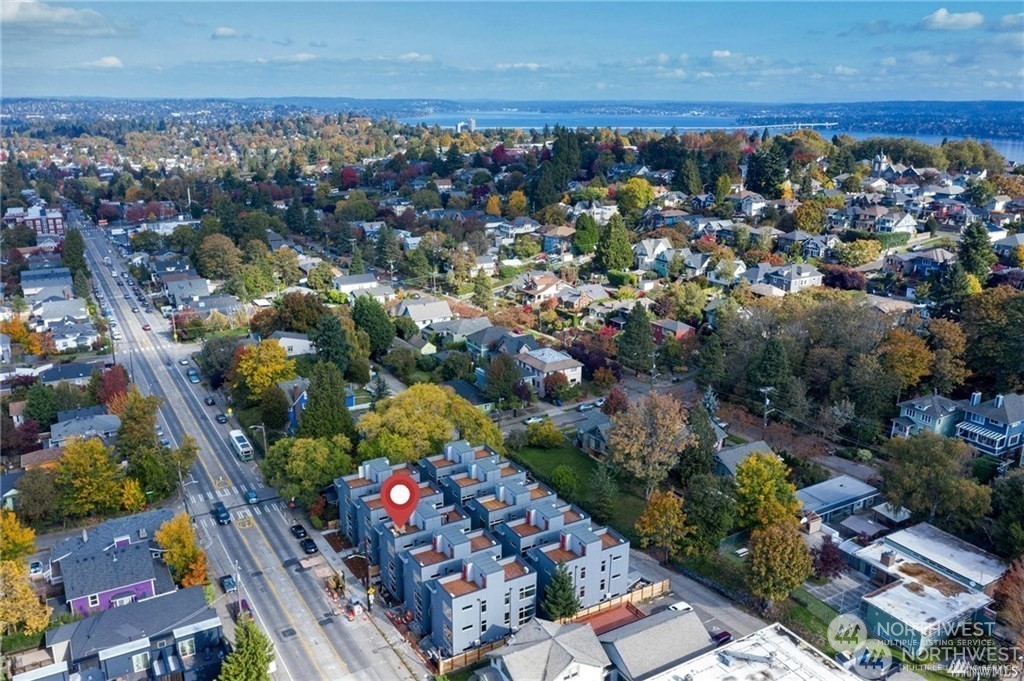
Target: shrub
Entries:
(544, 435)
(516, 439)
(316, 523)
(564, 480)
(621, 278)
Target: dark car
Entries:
(298, 531)
(221, 418)
(308, 545)
(220, 513)
(722, 637)
(209, 401)
(243, 610)
(227, 582)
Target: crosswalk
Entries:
(242, 513)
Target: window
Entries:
(187, 647)
(1014, 439)
(603, 586)
(583, 573)
(525, 613)
(583, 592)
(483, 607)
(140, 662)
(118, 602)
(527, 592)
(467, 607)
(508, 597)
(467, 627)
(94, 600)
(977, 418)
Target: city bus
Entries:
(241, 445)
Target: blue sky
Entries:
(679, 51)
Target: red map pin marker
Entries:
(400, 494)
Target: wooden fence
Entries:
(467, 658)
(636, 596)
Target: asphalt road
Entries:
(284, 590)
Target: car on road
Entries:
(135, 309)
(722, 637)
(251, 497)
(184, 361)
(193, 378)
(159, 430)
(209, 401)
(165, 443)
(221, 418)
(599, 402)
(220, 513)
(298, 531)
(227, 582)
(586, 406)
(533, 419)
(681, 606)
(147, 327)
(308, 545)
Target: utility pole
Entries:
(654, 359)
(391, 264)
(767, 410)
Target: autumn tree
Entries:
(300, 467)
(810, 217)
(560, 598)
(906, 355)
(662, 523)
(614, 251)
(778, 561)
(18, 541)
(948, 345)
(859, 252)
(325, 414)
(995, 348)
(218, 258)
(87, 478)
(417, 423)
(493, 206)
(182, 554)
(20, 607)
(250, 660)
(114, 381)
(636, 343)
(257, 367)
(321, 278)
(516, 205)
(764, 495)
(370, 316)
(1011, 601)
(928, 475)
(615, 402)
(828, 559)
(38, 498)
(646, 439)
(133, 499)
(633, 196)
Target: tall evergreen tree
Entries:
(483, 295)
(330, 341)
(771, 369)
(636, 343)
(251, 658)
(975, 252)
(602, 494)
(73, 253)
(325, 414)
(387, 252)
(371, 317)
(614, 251)
(560, 599)
(356, 264)
(587, 234)
(951, 291)
(698, 457)
(688, 177)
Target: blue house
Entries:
(995, 427)
(933, 413)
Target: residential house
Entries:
(9, 489)
(538, 522)
(896, 223)
(1009, 246)
(695, 263)
(369, 514)
(365, 481)
(865, 218)
(646, 251)
(747, 202)
(184, 287)
(930, 583)
(795, 239)
(99, 580)
(488, 264)
(794, 278)
(546, 651)
(596, 558)
(595, 209)
(836, 498)
(297, 392)
(382, 294)
(351, 283)
(727, 273)
(294, 344)
(34, 282)
(931, 413)
(578, 298)
(819, 246)
(484, 343)
(995, 427)
(456, 330)
(471, 394)
(75, 373)
(557, 238)
(592, 432)
(48, 313)
(921, 264)
(663, 329)
(535, 287)
(424, 311)
(482, 602)
(5, 349)
(538, 365)
(641, 649)
(17, 411)
(72, 336)
(103, 426)
(173, 636)
(728, 459)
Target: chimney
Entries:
(888, 558)
(975, 399)
(999, 401)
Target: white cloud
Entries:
(705, 74)
(40, 16)
(671, 73)
(529, 66)
(110, 62)
(663, 58)
(845, 71)
(222, 32)
(300, 57)
(942, 20)
(1010, 22)
(415, 56)
(889, 61)
(721, 54)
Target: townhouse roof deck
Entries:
(539, 492)
(510, 469)
(480, 542)
(429, 557)
(494, 504)
(514, 569)
(460, 587)
(559, 555)
(608, 540)
(525, 529)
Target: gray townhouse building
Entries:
(481, 478)
(424, 523)
(364, 482)
(456, 457)
(542, 524)
(370, 514)
(597, 560)
(509, 500)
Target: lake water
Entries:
(1011, 149)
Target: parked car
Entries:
(308, 545)
(298, 531)
(221, 418)
(533, 419)
(227, 582)
(599, 402)
(35, 568)
(209, 401)
(586, 406)
(220, 513)
(681, 606)
(193, 378)
(184, 361)
(722, 637)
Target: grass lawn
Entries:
(542, 462)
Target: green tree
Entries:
(663, 523)
(560, 599)
(217, 357)
(73, 253)
(331, 341)
(321, 278)
(300, 468)
(483, 295)
(688, 177)
(723, 187)
(501, 377)
(633, 196)
(636, 344)
(38, 499)
(928, 475)
(218, 258)
(764, 494)
(370, 316)
(86, 478)
(41, 405)
(778, 561)
(325, 414)
(951, 291)
(711, 362)
(138, 424)
(387, 252)
(80, 285)
(857, 253)
(274, 407)
(565, 482)
(975, 251)
(415, 265)
(645, 440)
(771, 368)
(603, 494)
(614, 251)
(1007, 513)
(995, 346)
(587, 234)
(356, 264)
(766, 170)
(698, 457)
(251, 658)
(710, 511)
(526, 246)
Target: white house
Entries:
(293, 343)
(537, 365)
(895, 223)
(646, 251)
(350, 283)
(425, 311)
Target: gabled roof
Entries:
(547, 360)
(95, 572)
(67, 372)
(936, 406)
(543, 651)
(1011, 410)
(656, 642)
(425, 309)
(731, 457)
(103, 535)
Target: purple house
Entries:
(98, 580)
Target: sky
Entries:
(831, 51)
